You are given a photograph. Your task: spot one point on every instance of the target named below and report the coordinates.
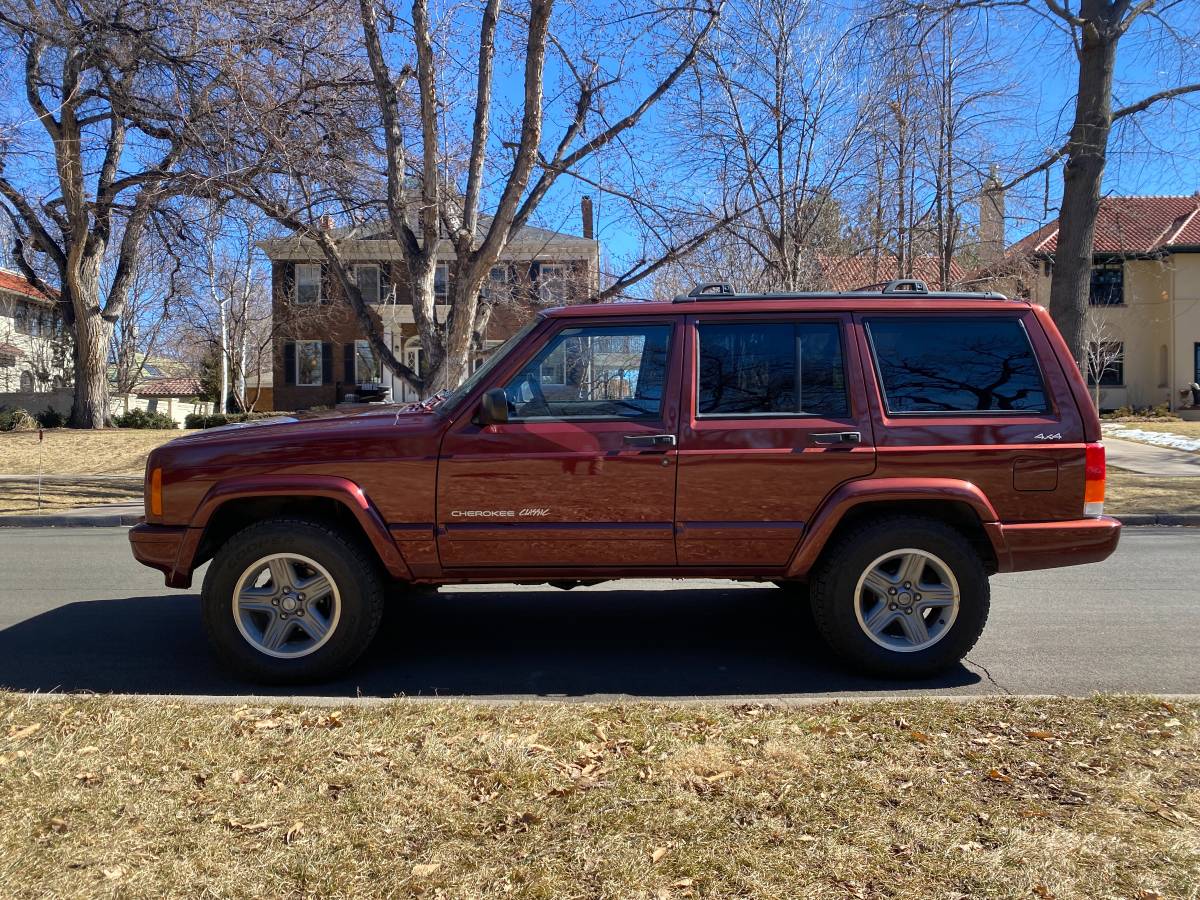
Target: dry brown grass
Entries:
(1129, 492)
(920, 799)
(22, 498)
(68, 451)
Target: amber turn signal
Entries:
(156, 492)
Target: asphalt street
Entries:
(77, 613)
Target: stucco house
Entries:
(35, 348)
(321, 355)
(1145, 296)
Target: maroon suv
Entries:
(889, 450)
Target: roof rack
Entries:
(894, 289)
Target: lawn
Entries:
(1187, 429)
(69, 451)
(990, 798)
(1129, 492)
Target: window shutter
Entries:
(289, 363)
(326, 363)
(348, 352)
(385, 281)
(325, 283)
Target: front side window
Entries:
(956, 365)
(771, 369)
(1108, 285)
(308, 363)
(367, 279)
(579, 375)
(552, 284)
(366, 366)
(308, 284)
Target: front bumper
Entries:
(1047, 545)
(158, 546)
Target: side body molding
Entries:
(332, 487)
(890, 490)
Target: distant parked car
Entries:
(890, 449)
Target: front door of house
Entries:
(583, 473)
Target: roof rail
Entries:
(895, 289)
(708, 289)
(906, 286)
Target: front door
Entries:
(774, 420)
(583, 473)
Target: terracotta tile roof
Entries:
(1144, 224)
(169, 387)
(18, 284)
(10, 350)
(845, 273)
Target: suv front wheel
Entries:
(288, 601)
(902, 596)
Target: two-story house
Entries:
(1145, 296)
(321, 355)
(35, 348)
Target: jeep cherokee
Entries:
(880, 453)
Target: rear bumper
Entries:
(1048, 545)
(158, 546)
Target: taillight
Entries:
(156, 492)
(1093, 480)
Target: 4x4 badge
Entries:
(1057, 436)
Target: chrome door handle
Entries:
(837, 438)
(652, 441)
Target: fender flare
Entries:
(332, 487)
(883, 490)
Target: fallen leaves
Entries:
(657, 854)
(424, 870)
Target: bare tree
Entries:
(428, 143)
(1103, 351)
(111, 93)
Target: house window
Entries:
(308, 284)
(1106, 360)
(1108, 285)
(21, 318)
(26, 382)
(495, 287)
(367, 279)
(308, 363)
(7, 360)
(366, 367)
(552, 284)
(441, 283)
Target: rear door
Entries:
(583, 473)
(774, 420)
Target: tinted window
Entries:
(771, 368)
(594, 373)
(956, 365)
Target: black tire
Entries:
(353, 569)
(836, 578)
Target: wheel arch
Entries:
(960, 504)
(231, 505)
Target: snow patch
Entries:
(1157, 438)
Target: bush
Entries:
(17, 419)
(51, 418)
(140, 418)
(215, 420)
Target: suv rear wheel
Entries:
(902, 596)
(288, 601)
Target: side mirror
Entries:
(493, 408)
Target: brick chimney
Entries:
(589, 220)
(327, 223)
(991, 218)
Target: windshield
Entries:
(497, 356)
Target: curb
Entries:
(58, 520)
(1133, 520)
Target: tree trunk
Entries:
(1082, 175)
(90, 407)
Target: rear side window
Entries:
(956, 365)
(771, 369)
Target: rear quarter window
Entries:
(956, 365)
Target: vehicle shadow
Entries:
(739, 642)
